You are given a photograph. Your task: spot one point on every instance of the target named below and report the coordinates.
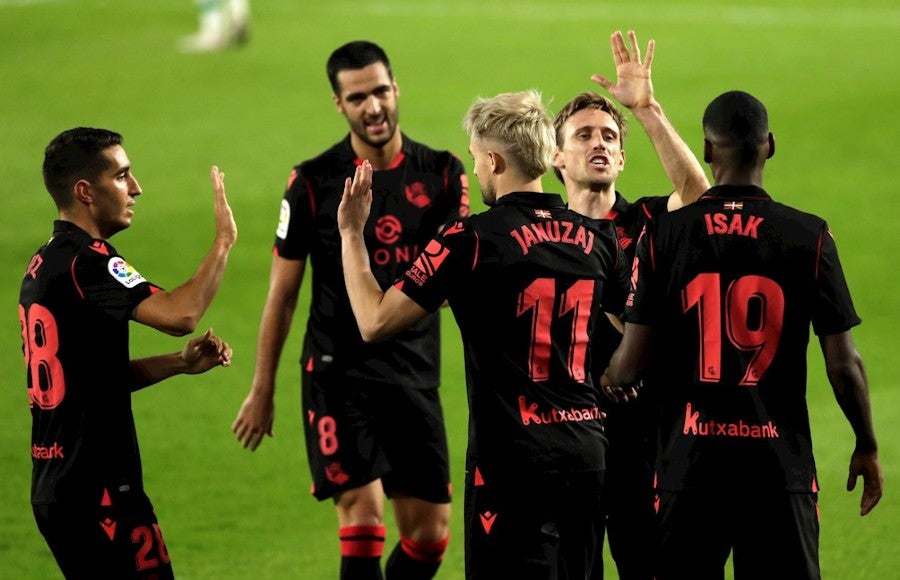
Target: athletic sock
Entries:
(361, 549)
(415, 561)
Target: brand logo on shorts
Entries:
(335, 473)
(124, 273)
(487, 521)
(109, 526)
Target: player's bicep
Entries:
(161, 311)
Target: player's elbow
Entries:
(374, 332)
(181, 326)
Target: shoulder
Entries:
(652, 206)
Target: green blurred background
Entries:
(829, 74)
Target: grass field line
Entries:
(784, 16)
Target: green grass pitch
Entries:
(828, 73)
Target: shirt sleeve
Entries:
(618, 285)
(295, 219)
(110, 283)
(643, 299)
(436, 272)
(833, 312)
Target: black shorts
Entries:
(771, 534)
(118, 539)
(358, 432)
(533, 527)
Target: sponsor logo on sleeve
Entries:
(283, 219)
(124, 272)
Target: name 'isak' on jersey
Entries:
(720, 223)
(553, 231)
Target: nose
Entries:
(134, 187)
(374, 105)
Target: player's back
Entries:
(739, 279)
(77, 367)
(540, 277)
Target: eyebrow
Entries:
(362, 94)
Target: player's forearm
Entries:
(850, 385)
(273, 333)
(679, 162)
(187, 303)
(362, 288)
(628, 362)
(151, 370)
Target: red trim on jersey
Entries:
(395, 162)
(422, 552)
(74, 281)
(646, 211)
(611, 214)
(99, 247)
(291, 178)
(362, 541)
(312, 199)
(818, 257)
(477, 244)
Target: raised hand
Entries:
(226, 228)
(356, 201)
(633, 87)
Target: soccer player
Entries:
(525, 280)
(590, 155)
(374, 420)
(727, 288)
(223, 23)
(77, 297)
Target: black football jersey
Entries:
(412, 199)
(629, 219)
(76, 299)
(527, 281)
(732, 284)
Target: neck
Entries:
(512, 184)
(748, 176)
(591, 203)
(85, 223)
(380, 157)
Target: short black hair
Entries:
(76, 154)
(353, 56)
(738, 120)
